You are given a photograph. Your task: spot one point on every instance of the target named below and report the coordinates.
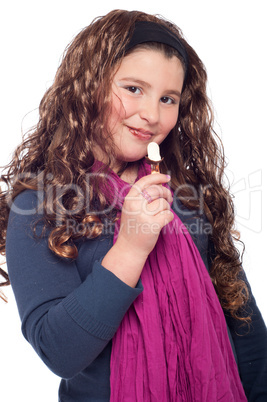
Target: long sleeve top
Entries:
(71, 309)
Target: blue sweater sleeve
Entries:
(68, 320)
(251, 348)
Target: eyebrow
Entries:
(145, 84)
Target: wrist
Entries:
(125, 263)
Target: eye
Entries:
(167, 100)
(133, 89)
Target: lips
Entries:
(140, 133)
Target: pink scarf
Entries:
(172, 344)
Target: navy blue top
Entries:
(70, 310)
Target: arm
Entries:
(251, 349)
(140, 226)
(67, 322)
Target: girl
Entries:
(128, 284)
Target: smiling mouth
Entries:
(142, 134)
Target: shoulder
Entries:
(25, 210)
(28, 202)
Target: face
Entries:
(146, 93)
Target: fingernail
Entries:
(168, 177)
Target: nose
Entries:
(150, 111)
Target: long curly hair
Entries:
(57, 153)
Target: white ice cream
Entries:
(153, 152)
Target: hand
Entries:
(146, 210)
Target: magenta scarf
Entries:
(172, 344)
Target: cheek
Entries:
(129, 106)
(122, 107)
(117, 110)
(170, 121)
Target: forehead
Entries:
(141, 53)
(151, 65)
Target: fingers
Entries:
(150, 201)
(156, 207)
(147, 181)
(155, 225)
(145, 211)
(150, 188)
(154, 192)
(164, 218)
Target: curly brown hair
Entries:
(73, 116)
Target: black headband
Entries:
(146, 31)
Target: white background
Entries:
(230, 38)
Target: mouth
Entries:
(140, 133)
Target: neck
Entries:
(129, 173)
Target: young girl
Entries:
(128, 284)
